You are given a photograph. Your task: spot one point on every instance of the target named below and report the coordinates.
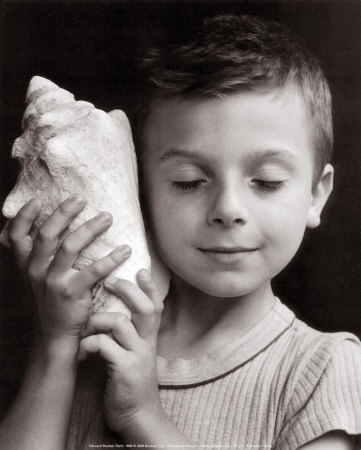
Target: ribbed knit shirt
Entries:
(280, 386)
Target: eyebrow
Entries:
(277, 153)
(183, 153)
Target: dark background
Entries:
(89, 48)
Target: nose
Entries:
(228, 208)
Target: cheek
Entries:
(165, 218)
(171, 221)
(174, 224)
(168, 209)
(284, 225)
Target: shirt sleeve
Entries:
(327, 397)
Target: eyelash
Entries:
(269, 185)
(186, 185)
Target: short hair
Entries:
(230, 54)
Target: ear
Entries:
(320, 195)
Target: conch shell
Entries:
(70, 147)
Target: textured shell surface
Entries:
(69, 147)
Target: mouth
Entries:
(227, 249)
(227, 255)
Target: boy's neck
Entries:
(195, 323)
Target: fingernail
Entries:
(145, 274)
(105, 217)
(110, 281)
(122, 252)
(76, 198)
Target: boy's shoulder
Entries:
(309, 349)
(320, 389)
(305, 337)
(310, 341)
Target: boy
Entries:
(234, 145)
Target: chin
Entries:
(224, 287)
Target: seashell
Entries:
(69, 147)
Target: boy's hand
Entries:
(62, 293)
(129, 348)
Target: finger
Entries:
(19, 231)
(87, 277)
(103, 344)
(46, 240)
(69, 249)
(141, 307)
(117, 324)
(150, 288)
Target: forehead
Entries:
(240, 123)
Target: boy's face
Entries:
(228, 185)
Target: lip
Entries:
(221, 249)
(227, 255)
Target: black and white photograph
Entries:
(180, 230)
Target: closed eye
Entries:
(187, 185)
(269, 185)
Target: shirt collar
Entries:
(183, 373)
